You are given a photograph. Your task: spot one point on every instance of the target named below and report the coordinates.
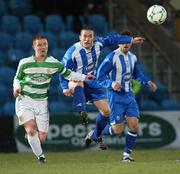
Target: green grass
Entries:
(92, 162)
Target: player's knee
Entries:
(117, 132)
(31, 132)
(118, 129)
(134, 128)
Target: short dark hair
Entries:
(87, 28)
(38, 37)
(126, 33)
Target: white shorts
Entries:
(28, 108)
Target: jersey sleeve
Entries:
(114, 39)
(104, 70)
(70, 75)
(19, 76)
(67, 61)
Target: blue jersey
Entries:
(79, 59)
(121, 68)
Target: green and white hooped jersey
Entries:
(34, 77)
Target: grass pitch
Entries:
(92, 162)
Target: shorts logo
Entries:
(80, 104)
(117, 118)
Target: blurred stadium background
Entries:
(60, 21)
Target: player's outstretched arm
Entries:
(138, 40)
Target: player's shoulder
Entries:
(73, 49)
(26, 60)
(98, 41)
(132, 55)
(117, 53)
(52, 59)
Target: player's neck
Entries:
(40, 58)
(124, 52)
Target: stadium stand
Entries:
(20, 8)
(3, 8)
(2, 58)
(67, 38)
(32, 24)
(69, 22)
(6, 76)
(3, 92)
(99, 23)
(23, 41)
(10, 24)
(54, 24)
(14, 56)
(9, 109)
(149, 105)
(170, 104)
(58, 53)
(6, 42)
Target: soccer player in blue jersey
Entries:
(116, 73)
(83, 57)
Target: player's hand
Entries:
(138, 40)
(89, 77)
(17, 93)
(152, 86)
(116, 86)
(67, 92)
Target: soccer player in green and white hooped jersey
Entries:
(31, 84)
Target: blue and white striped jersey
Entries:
(79, 59)
(121, 68)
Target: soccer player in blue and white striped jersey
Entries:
(83, 57)
(116, 73)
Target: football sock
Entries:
(79, 100)
(35, 144)
(108, 130)
(130, 142)
(101, 122)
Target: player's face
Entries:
(40, 47)
(125, 47)
(87, 38)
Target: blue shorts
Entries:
(122, 105)
(93, 91)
